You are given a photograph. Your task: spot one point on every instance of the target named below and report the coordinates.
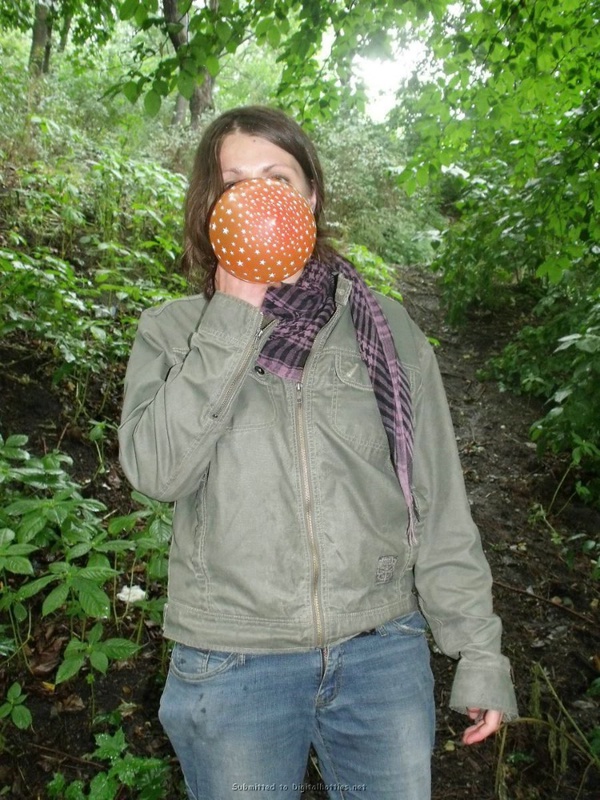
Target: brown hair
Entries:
(199, 262)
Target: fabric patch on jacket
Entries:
(385, 569)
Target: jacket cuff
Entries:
(486, 686)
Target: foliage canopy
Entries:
(507, 123)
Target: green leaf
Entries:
(17, 564)
(97, 573)
(223, 31)
(69, 668)
(78, 550)
(74, 649)
(140, 16)
(16, 440)
(119, 649)
(110, 747)
(588, 344)
(553, 268)
(160, 530)
(15, 453)
(143, 499)
(131, 90)
(212, 65)
(31, 524)
(273, 36)
(95, 634)
(99, 661)
(186, 84)
(119, 546)
(94, 601)
(21, 549)
(7, 535)
(152, 103)
(33, 587)
(20, 612)
(160, 86)
(14, 692)
(263, 26)
(128, 9)
(21, 717)
(422, 175)
(23, 506)
(98, 560)
(56, 599)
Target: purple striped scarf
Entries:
(302, 309)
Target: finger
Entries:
(488, 725)
(481, 730)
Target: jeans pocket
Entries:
(193, 664)
(412, 624)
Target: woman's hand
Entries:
(253, 293)
(486, 723)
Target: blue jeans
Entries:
(242, 725)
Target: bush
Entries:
(365, 205)
(559, 359)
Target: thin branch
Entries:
(68, 756)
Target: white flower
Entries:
(131, 594)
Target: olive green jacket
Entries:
(290, 526)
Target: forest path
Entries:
(543, 587)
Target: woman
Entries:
(303, 433)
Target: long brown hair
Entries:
(199, 262)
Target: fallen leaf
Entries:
(71, 703)
(46, 660)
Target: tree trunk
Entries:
(205, 90)
(39, 39)
(48, 45)
(64, 31)
(172, 16)
(178, 117)
(202, 98)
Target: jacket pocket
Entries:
(192, 664)
(255, 407)
(355, 414)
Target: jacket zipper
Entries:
(308, 514)
(306, 491)
(247, 357)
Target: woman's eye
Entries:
(281, 178)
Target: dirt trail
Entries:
(549, 610)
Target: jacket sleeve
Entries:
(452, 576)
(179, 389)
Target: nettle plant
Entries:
(147, 777)
(93, 236)
(59, 556)
(376, 272)
(14, 708)
(97, 205)
(84, 323)
(44, 512)
(559, 359)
